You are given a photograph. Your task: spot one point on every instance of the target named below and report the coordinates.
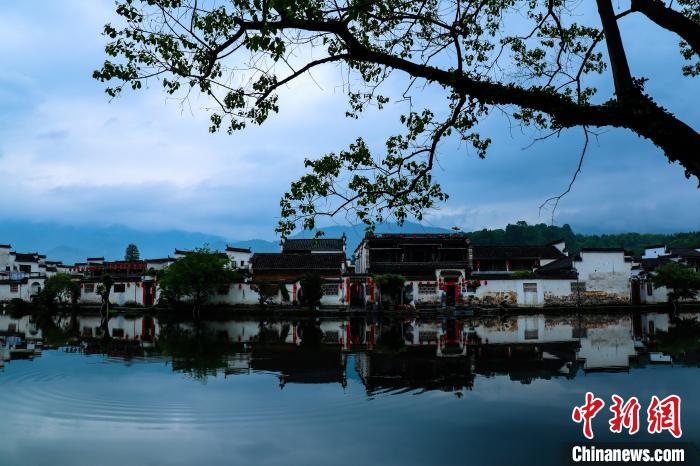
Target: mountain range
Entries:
(69, 243)
(74, 243)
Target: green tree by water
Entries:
(59, 289)
(311, 288)
(681, 281)
(390, 286)
(132, 253)
(104, 289)
(197, 276)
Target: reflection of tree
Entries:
(682, 341)
(198, 355)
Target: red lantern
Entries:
(128, 285)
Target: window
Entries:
(532, 334)
(530, 287)
(427, 288)
(25, 268)
(242, 263)
(330, 289)
(14, 288)
(578, 287)
(89, 287)
(119, 287)
(118, 332)
(650, 289)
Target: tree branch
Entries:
(671, 20)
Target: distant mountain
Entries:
(75, 243)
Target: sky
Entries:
(69, 154)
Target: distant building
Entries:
(239, 257)
(643, 289)
(324, 256)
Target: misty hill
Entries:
(75, 243)
(522, 233)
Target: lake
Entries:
(355, 390)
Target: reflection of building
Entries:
(387, 354)
(599, 342)
(295, 365)
(24, 327)
(142, 328)
(414, 370)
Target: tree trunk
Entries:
(624, 87)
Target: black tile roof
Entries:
(160, 260)
(516, 252)
(235, 249)
(685, 252)
(561, 266)
(280, 261)
(26, 257)
(313, 244)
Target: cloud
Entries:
(69, 154)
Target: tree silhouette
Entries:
(539, 70)
(132, 253)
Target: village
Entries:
(437, 271)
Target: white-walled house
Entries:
(655, 256)
(22, 275)
(239, 257)
(604, 271)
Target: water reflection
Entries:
(389, 353)
(340, 390)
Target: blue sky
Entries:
(69, 155)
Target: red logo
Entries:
(587, 412)
(662, 415)
(665, 415)
(625, 415)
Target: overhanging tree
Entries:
(538, 71)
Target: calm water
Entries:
(356, 391)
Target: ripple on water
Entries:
(56, 391)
